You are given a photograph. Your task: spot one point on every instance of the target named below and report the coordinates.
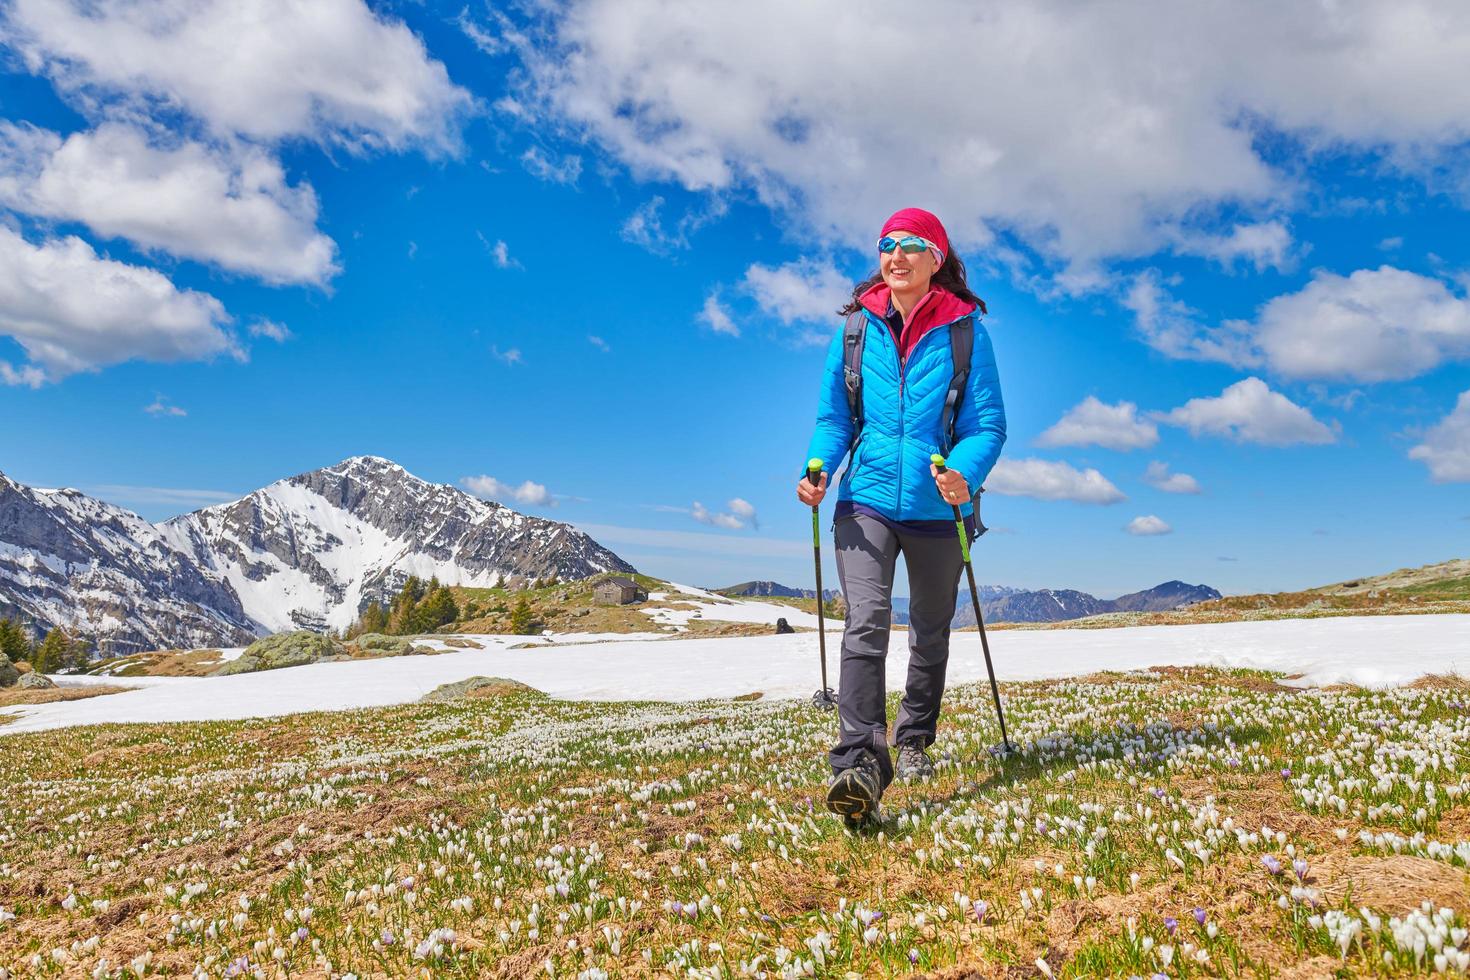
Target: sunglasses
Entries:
(910, 244)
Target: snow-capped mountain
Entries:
(309, 551)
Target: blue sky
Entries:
(583, 258)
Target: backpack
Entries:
(961, 343)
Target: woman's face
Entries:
(907, 273)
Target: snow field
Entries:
(1373, 651)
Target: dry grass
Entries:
(11, 696)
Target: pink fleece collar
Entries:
(935, 308)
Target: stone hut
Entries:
(618, 590)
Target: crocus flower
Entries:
(980, 908)
(1171, 924)
(1199, 915)
(1272, 865)
(1300, 867)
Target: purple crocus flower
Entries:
(980, 908)
(677, 908)
(1199, 915)
(1272, 865)
(913, 956)
(1300, 867)
(1286, 773)
(301, 933)
(386, 936)
(1171, 924)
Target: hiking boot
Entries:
(855, 791)
(913, 762)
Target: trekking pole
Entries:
(824, 698)
(959, 523)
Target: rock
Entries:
(384, 646)
(35, 680)
(283, 650)
(8, 674)
(477, 687)
(783, 627)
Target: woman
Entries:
(893, 501)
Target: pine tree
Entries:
(13, 641)
(521, 619)
(374, 619)
(53, 652)
(437, 609)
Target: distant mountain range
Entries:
(1003, 604)
(310, 551)
(762, 588)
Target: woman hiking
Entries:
(893, 500)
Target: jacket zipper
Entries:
(902, 375)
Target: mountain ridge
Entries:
(307, 551)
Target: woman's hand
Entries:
(952, 486)
(811, 495)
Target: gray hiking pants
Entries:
(867, 552)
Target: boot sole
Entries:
(848, 798)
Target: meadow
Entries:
(1174, 822)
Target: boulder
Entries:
(477, 687)
(384, 646)
(35, 680)
(283, 650)
(8, 674)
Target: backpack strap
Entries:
(961, 343)
(854, 333)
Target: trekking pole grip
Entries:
(814, 471)
(938, 462)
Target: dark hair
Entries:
(950, 275)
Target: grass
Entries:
(1150, 824)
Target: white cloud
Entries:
(1174, 329)
(1089, 131)
(1147, 525)
(120, 493)
(330, 70)
(1446, 447)
(1093, 423)
(809, 290)
(161, 406)
(542, 167)
(1158, 476)
(529, 493)
(482, 37)
(717, 318)
(733, 521)
(511, 356)
(227, 206)
(1249, 411)
(1382, 324)
(1264, 245)
(1045, 479)
(701, 543)
(499, 253)
(744, 510)
(645, 229)
(72, 310)
(598, 342)
(271, 330)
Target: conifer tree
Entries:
(374, 619)
(521, 619)
(13, 641)
(53, 653)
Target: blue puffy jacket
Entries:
(902, 404)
